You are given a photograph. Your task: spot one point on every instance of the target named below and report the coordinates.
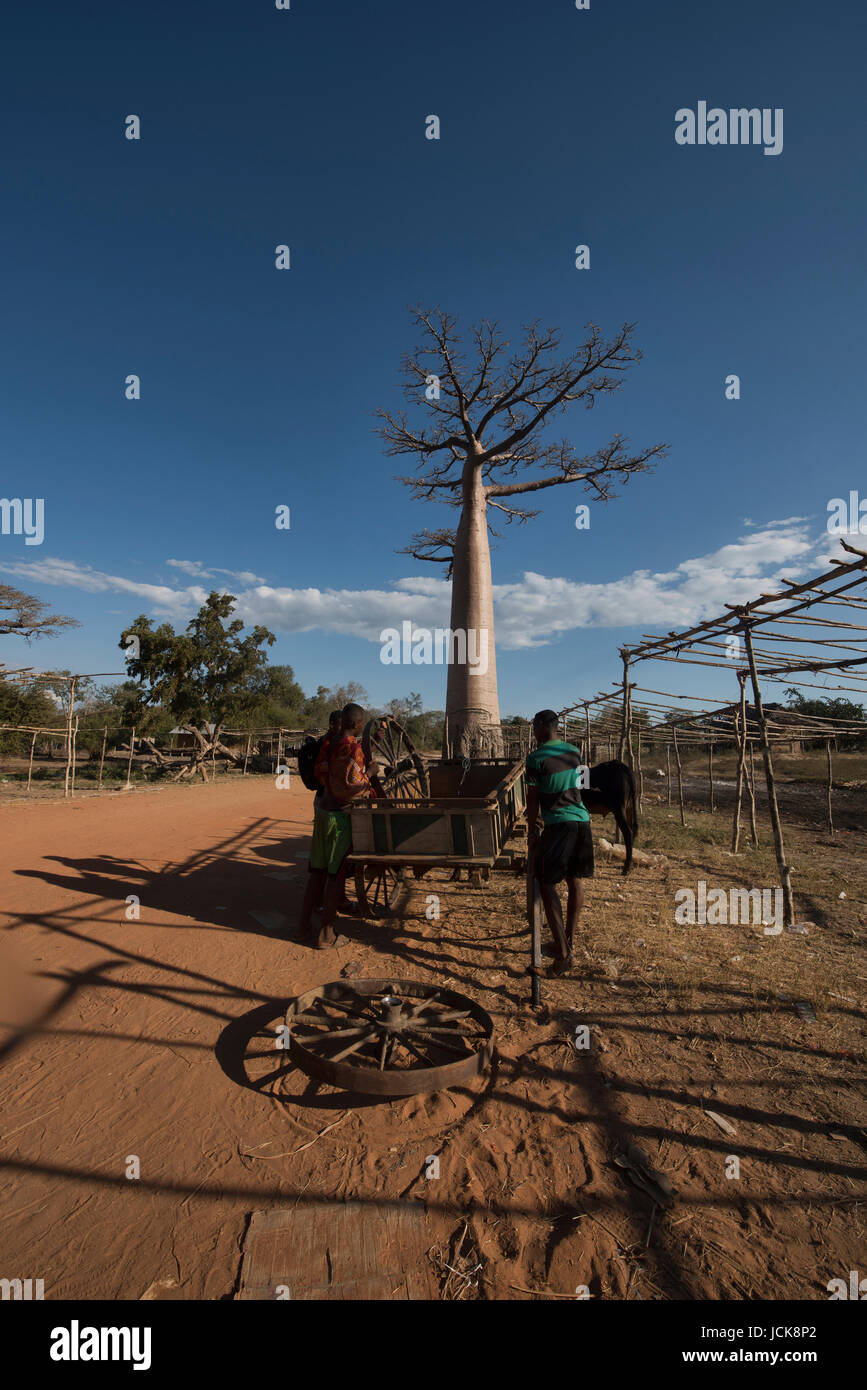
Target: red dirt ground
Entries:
(154, 1038)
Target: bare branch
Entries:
(596, 471)
(427, 545)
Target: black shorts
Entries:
(565, 851)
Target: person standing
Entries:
(341, 769)
(565, 847)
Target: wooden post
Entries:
(785, 877)
(247, 753)
(30, 766)
(131, 752)
(630, 757)
(754, 834)
(741, 734)
(640, 774)
(679, 777)
(668, 765)
(66, 790)
(830, 785)
(102, 757)
(535, 913)
(710, 775)
(621, 751)
(74, 756)
(587, 753)
(279, 747)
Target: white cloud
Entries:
(197, 570)
(67, 574)
(529, 612)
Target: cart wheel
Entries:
(403, 772)
(380, 889)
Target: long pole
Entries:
(129, 761)
(830, 785)
(69, 736)
(785, 877)
(710, 774)
(679, 777)
(30, 767)
(102, 757)
(621, 751)
(534, 921)
(741, 733)
(754, 834)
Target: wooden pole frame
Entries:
(102, 756)
(69, 753)
(679, 777)
(30, 764)
(776, 823)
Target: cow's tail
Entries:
(627, 818)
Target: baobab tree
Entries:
(488, 411)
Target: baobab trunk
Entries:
(472, 706)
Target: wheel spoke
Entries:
(447, 1018)
(410, 1045)
(344, 1004)
(425, 1003)
(439, 1042)
(308, 1040)
(353, 1047)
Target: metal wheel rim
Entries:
(350, 1054)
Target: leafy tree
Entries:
(404, 709)
(317, 708)
(25, 702)
(204, 673)
(59, 686)
(829, 708)
(278, 699)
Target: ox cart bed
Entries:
(454, 814)
(462, 820)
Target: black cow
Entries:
(612, 788)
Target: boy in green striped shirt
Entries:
(565, 847)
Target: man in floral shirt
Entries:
(341, 770)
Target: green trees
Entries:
(204, 674)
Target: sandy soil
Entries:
(154, 1038)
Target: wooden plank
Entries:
(339, 1251)
(424, 861)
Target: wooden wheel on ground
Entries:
(380, 888)
(388, 1037)
(402, 771)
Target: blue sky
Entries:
(307, 127)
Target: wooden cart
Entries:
(463, 821)
(455, 814)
